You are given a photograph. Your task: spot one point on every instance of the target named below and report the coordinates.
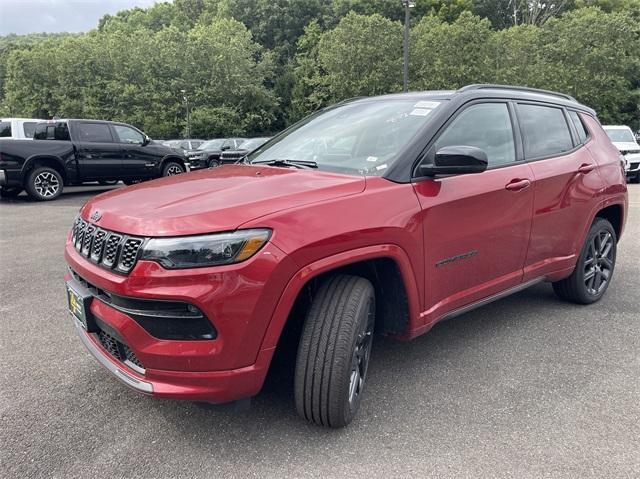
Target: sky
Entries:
(35, 16)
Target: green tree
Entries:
(445, 56)
(361, 56)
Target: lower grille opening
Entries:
(120, 351)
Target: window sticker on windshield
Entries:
(372, 158)
(420, 112)
(381, 167)
(427, 104)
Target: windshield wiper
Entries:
(302, 164)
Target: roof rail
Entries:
(483, 86)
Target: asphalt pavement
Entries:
(527, 386)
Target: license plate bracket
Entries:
(79, 300)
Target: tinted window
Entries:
(94, 132)
(486, 126)
(51, 131)
(29, 128)
(5, 129)
(545, 131)
(127, 134)
(577, 123)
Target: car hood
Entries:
(626, 145)
(219, 199)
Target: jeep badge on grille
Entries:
(96, 215)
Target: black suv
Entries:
(207, 155)
(72, 152)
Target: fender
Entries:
(171, 157)
(297, 282)
(68, 173)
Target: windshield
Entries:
(211, 145)
(363, 137)
(253, 143)
(620, 135)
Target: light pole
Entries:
(186, 104)
(407, 4)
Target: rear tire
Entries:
(172, 168)
(334, 351)
(594, 269)
(44, 184)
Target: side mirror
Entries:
(225, 148)
(456, 160)
(146, 140)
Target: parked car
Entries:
(413, 208)
(622, 138)
(207, 155)
(18, 128)
(71, 152)
(233, 155)
(185, 145)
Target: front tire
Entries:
(334, 351)
(594, 269)
(44, 184)
(213, 163)
(172, 168)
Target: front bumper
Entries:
(238, 299)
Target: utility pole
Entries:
(186, 104)
(405, 47)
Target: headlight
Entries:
(206, 250)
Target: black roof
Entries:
(471, 92)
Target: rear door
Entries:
(99, 155)
(476, 226)
(566, 184)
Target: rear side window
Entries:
(544, 130)
(486, 126)
(577, 123)
(94, 132)
(29, 128)
(51, 131)
(5, 129)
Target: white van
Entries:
(18, 128)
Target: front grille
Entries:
(110, 250)
(232, 156)
(119, 350)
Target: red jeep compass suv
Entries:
(387, 214)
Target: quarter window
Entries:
(577, 122)
(128, 135)
(94, 132)
(486, 126)
(544, 130)
(29, 128)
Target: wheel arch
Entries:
(614, 214)
(387, 266)
(44, 160)
(175, 158)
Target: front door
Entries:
(138, 160)
(476, 226)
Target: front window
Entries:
(363, 137)
(253, 143)
(127, 134)
(620, 135)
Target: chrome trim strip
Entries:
(3, 177)
(490, 299)
(135, 383)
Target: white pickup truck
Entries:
(18, 128)
(622, 138)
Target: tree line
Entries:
(252, 67)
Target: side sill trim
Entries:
(141, 386)
(490, 299)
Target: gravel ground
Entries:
(525, 387)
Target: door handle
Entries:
(518, 184)
(586, 167)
